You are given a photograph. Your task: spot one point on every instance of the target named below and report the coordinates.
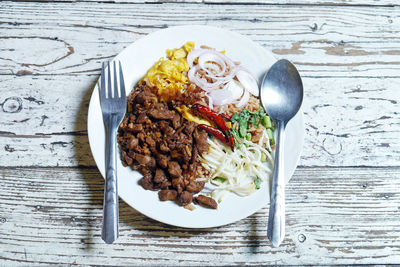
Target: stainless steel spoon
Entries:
(281, 95)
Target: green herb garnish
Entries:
(245, 119)
(244, 122)
(257, 116)
(257, 182)
(236, 138)
(235, 117)
(219, 179)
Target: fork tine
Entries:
(109, 85)
(122, 82)
(116, 87)
(103, 83)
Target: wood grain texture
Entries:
(334, 216)
(338, 211)
(300, 2)
(348, 121)
(322, 41)
(351, 117)
(250, 2)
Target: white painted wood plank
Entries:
(334, 216)
(348, 121)
(313, 2)
(249, 2)
(323, 41)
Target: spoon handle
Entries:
(276, 218)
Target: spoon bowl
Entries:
(282, 91)
(281, 94)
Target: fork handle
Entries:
(109, 231)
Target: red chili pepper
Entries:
(217, 133)
(231, 141)
(226, 117)
(219, 121)
(212, 115)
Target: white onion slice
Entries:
(221, 70)
(212, 66)
(201, 82)
(244, 100)
(195, 53)
(227, 95)
(208, 57)
(221, 61)
(248, 81)
(210, 101)
(236, 89)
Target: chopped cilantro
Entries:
(235, 117)
(245, 119)
(236, 138)
(244, 122)
(254, 121)
(257, 117)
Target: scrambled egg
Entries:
(187, 114)
(169, 75)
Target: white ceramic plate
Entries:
(136, 59)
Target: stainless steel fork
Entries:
(113, 107)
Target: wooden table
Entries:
(343, 203)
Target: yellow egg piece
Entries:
(187, 114)
(169, 75)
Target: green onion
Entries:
(245, 119)
(266, 122)
(270, 136)
(248, 136)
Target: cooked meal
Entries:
(195, 129)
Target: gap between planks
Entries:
(356, 3)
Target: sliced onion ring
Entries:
(221, 70)
(248, 81)
(195, 53)
(244, 100)
(201, 82)
(208, 57)
(227, 95)
(210, 101)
